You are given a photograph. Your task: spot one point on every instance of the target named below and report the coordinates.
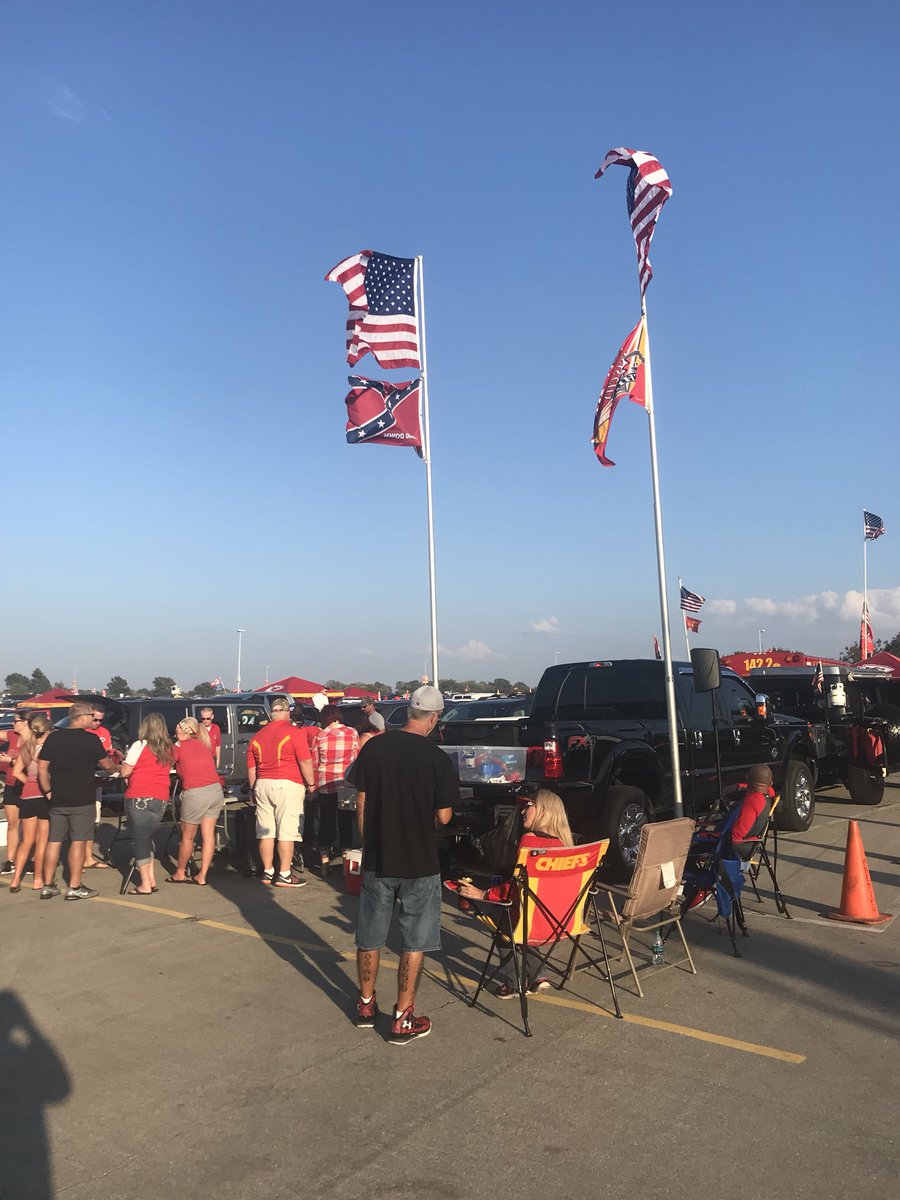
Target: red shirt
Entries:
(530, 841)
(215, 737)
(105, 737)
(277, 751)
(149, 779)
(12, 749)
(195, 764)
(751, 806)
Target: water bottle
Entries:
(656, 949)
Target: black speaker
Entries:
(707, 672)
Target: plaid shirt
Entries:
(335, 748)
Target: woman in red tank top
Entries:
(147, 767)
(202, 797)
(34, 812)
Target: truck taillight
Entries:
(553, 763)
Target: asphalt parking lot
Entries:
(199, 1043)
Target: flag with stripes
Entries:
(819, 678)
(657, 654)
(382, 318)
(690, 601)
(648, 189)
(378, 411)
(874, 526)
(624, 378)
(866, 638)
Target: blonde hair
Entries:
(38, 727)
(153, 731)
(550, 817)
(196, 729)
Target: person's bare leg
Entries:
(90, 859)
(285, 857)
(11, 811)
(51, 861)
(411, 962)
(77, 852)
(27, 835)
(185, 849)
(207, 847)
(267, 853)
(146, 872)
(40, 851)
(367, 970)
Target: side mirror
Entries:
(762, 707)
(707, 671)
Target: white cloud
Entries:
(65, 104)
(804, 607)
(884, 606)
(472, 651)
(721, 606)
(545, 625)
(364, 653)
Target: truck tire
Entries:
(865, 786)
(627, 811)
(798, 798)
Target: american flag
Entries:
(382, 319)
(648, 190)
(819, 678)
(378, 411)
(690, 601)
(874, 526)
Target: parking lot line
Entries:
(391, 964)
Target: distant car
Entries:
(501, 708)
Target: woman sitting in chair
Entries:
(546, 824)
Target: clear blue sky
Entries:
(179, 176)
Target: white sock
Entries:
(366, 999)
(398, 1013)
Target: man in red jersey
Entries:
(279, 764)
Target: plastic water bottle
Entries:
(657, 949)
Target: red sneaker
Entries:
(366, 1012)
(407, 1027)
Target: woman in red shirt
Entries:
(34, 811)
(202, 797)
(546, 824)
(147, 768)
(12, 789)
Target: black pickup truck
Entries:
(598, 735)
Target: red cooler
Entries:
(353, 872)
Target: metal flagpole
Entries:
(687, 641)
(661, 569)
(863, 639)
(426, 453)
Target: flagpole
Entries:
(687, 643)
(661, 570)
(426, 451)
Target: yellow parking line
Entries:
(390, 964)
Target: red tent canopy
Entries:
(54, 696)
(883, 659)
(293, 686)
(352, 693)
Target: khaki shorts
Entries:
(202, 803)
(279, 809)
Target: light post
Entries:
(761, 632)
(240, 634)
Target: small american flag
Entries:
(690, 601)
(874, 526)
(649, 188)
(381, 291)
(819, 678)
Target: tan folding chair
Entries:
(650, 901)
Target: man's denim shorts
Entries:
(420, 912)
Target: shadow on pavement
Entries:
(32, 1076)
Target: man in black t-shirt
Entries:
(66, 772)
(407, 788)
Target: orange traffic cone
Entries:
(857, 897)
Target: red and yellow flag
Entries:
(625, 378)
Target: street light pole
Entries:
(240, 634)
(761, 632)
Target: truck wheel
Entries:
(627, 812)
(864, 786)
(798, 798)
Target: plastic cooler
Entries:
(353, 872)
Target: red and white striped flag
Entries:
(819, 678)
(381, 291)
(866, 637)
(649, 188)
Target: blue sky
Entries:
(180, 176)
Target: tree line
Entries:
(447, 685)
(162, 685)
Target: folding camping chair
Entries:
(762, 858)
(550, 888)
(650, 901)
(713, 869)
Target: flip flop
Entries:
(199, 882)
(135, 892)
(169, 879)
(96, 866)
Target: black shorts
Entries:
(37, 806)
(12, 793)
